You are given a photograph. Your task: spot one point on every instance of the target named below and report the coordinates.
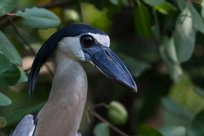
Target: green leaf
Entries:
(9, 77)
(199, 91)
(176, 109)
(95, 17)
(145, 130)
(23, 76)
(202, 10)
(196, 128)
(39, 18)
(71, 15)
(156, 32)
(154, 2)
(115, 2)
(3, 122)
(4, 63)
(198, 22)
(46, 33)
(101, 129)
(181, 4)
(4, 100)
(183, 93)
(6, 6)
(7, 48)
(15, 117)
(117, 113)
(135, 66)
(184, 36)
(173, 131)
(142, 20)
(169, 50)
(168, 54)
(165, 8)
(156, 28)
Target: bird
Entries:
(70, 47)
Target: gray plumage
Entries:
(25, 127)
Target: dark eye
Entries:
(86, 41)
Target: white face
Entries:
(71, 46)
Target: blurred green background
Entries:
(160, 41)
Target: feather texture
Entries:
(26, 127)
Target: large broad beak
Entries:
(110, 64)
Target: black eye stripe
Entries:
(86, 41)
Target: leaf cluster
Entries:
(161, 42)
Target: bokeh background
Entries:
(160, 41)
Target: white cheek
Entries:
(72, 48)
(104, 40)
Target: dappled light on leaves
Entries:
(160, 41)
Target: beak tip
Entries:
(130, 83)
(134, 88)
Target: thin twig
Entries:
(98, 106)
(56, 4)
(107, 122)
(24, 41)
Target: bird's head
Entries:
(86, 44)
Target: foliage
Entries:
(161, 42)
(117, 113)
(197, 125)
(142, 20)
(101, 129)
(4, 100)
(145, 130)
(38, 18)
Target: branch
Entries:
(99, 117)
(108, 123)
(56, 4)
(98, 106)
(24, 41)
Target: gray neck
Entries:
(62, 113)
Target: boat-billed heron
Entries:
(69, 47)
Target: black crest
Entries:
(48, 48)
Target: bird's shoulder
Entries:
(26, 126)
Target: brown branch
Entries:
(24, 41)
(98, 106)
(56, 4)
(99, 117)
(5, 22)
